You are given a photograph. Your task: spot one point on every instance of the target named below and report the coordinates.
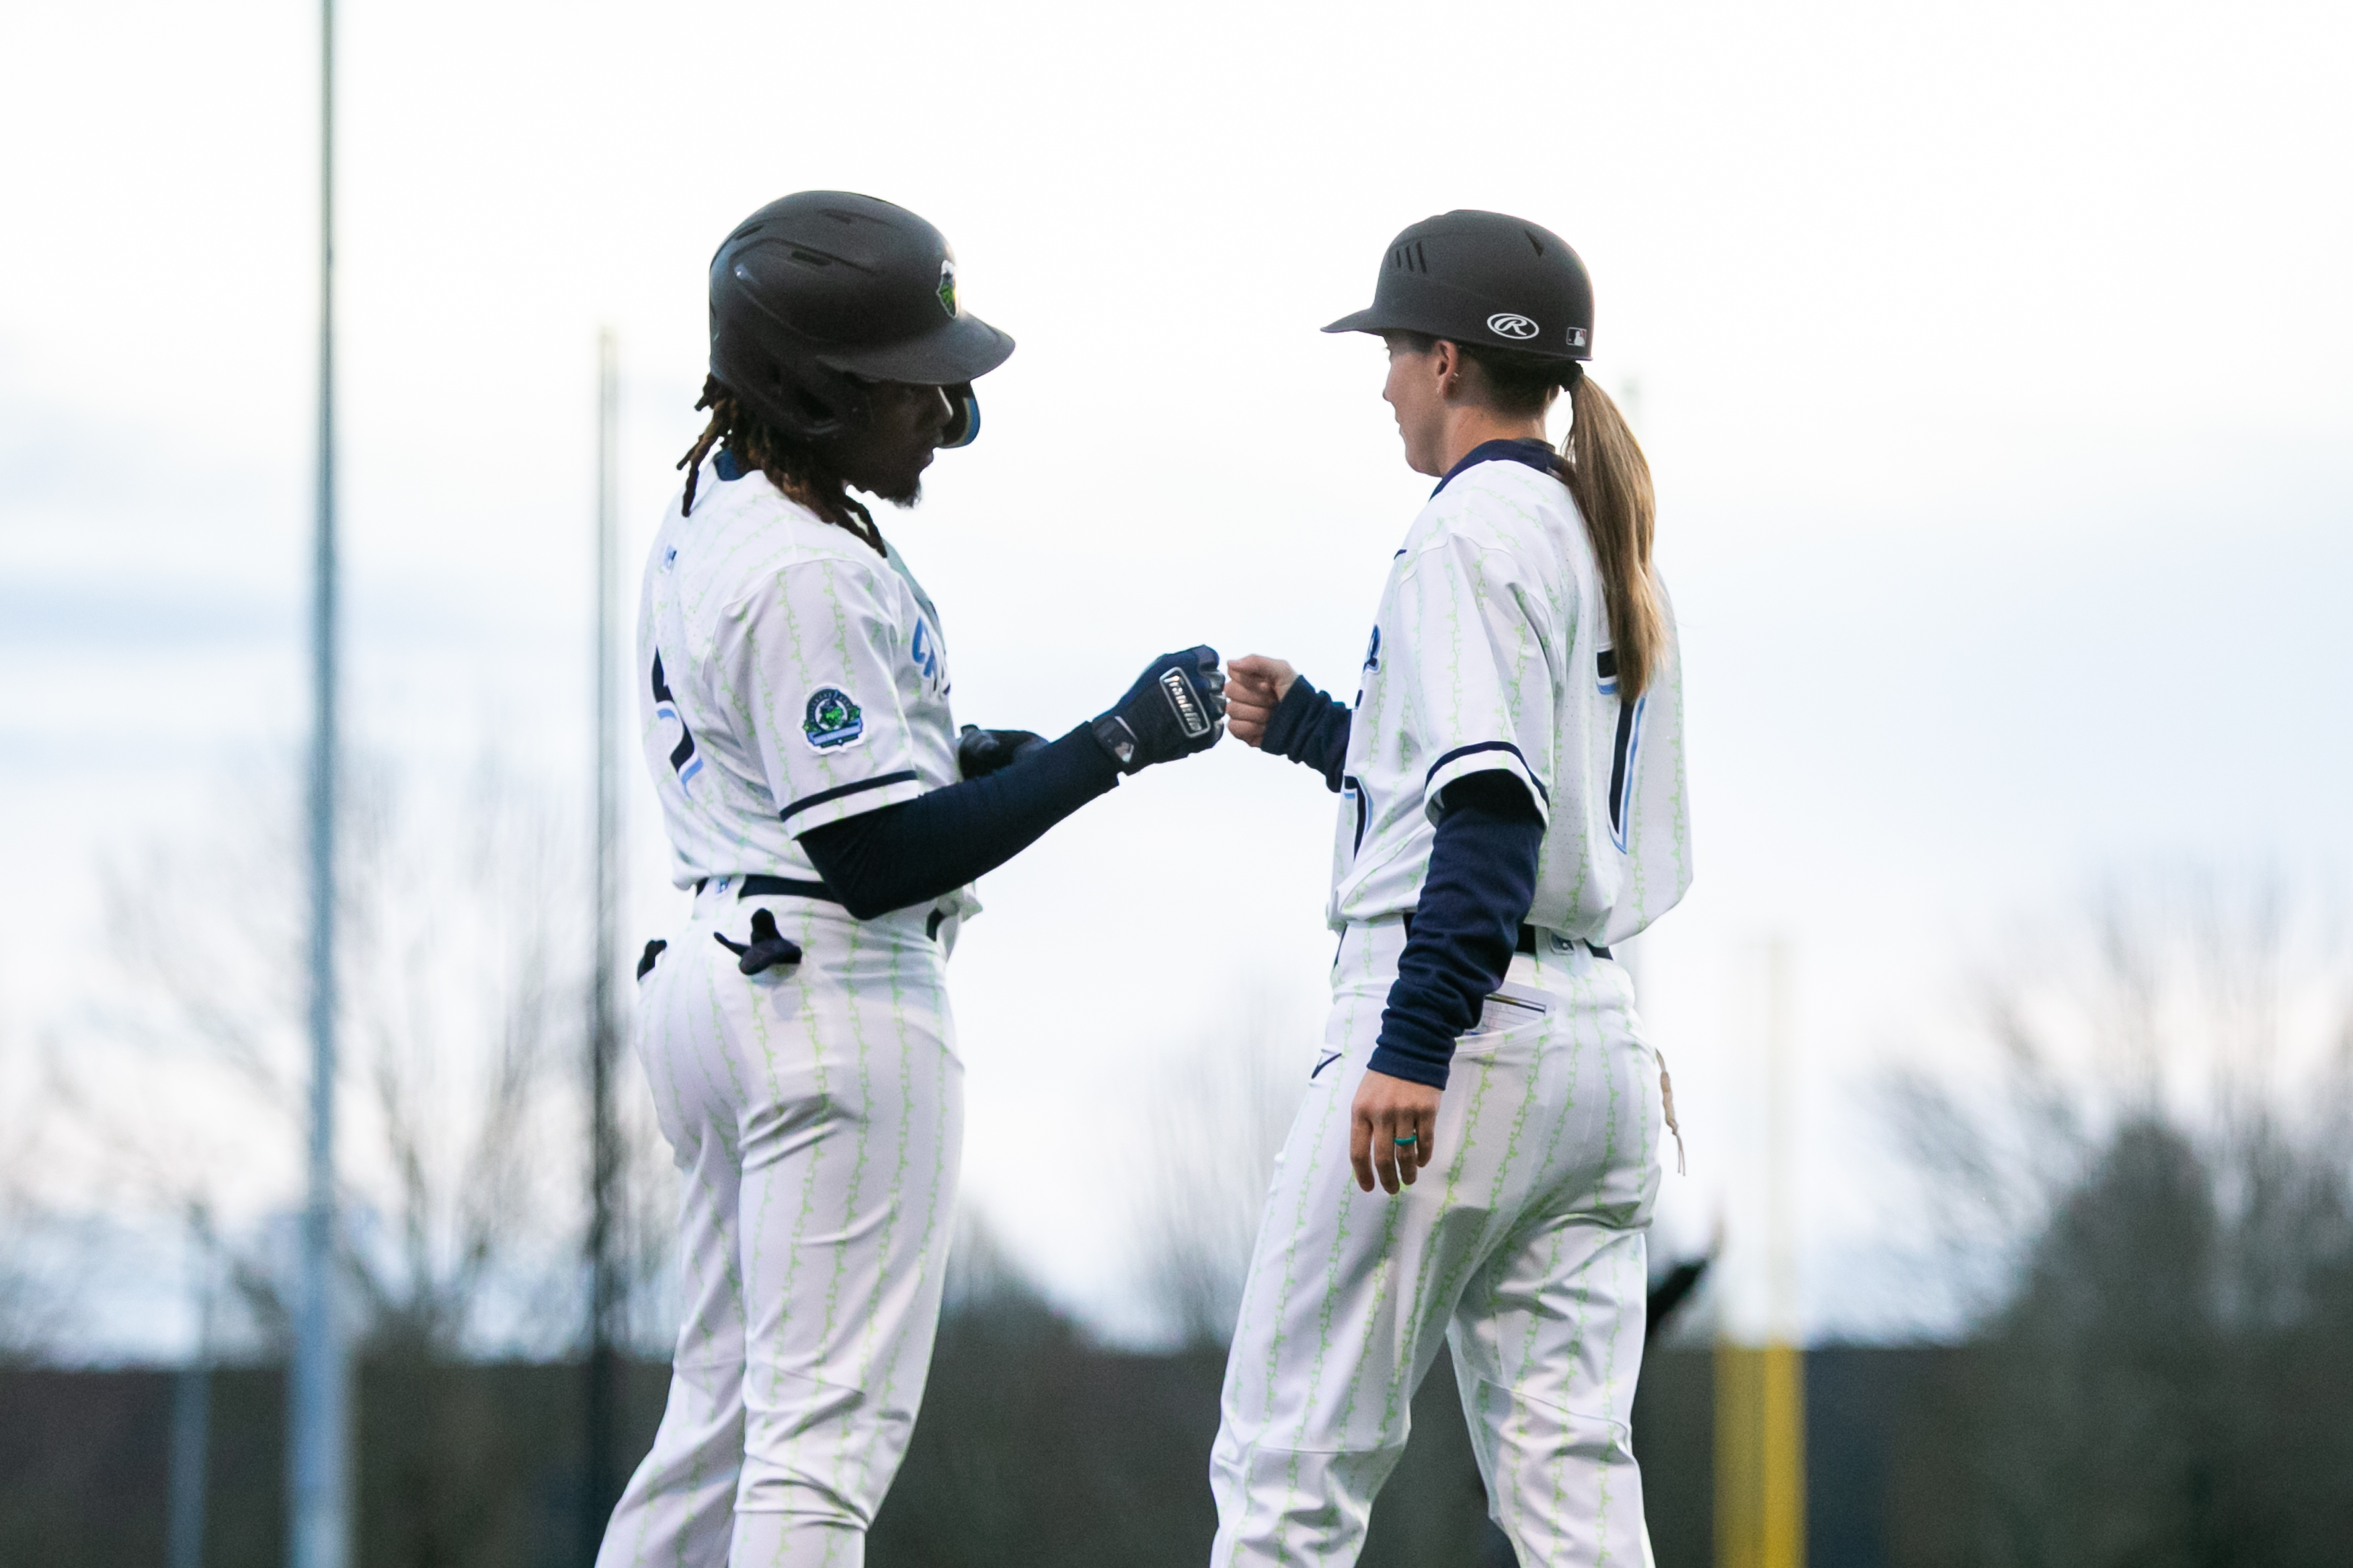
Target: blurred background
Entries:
(1989, 362)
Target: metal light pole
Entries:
(318, 1450)
(604, 1279)
(183, 1513)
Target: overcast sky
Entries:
(1992, 362)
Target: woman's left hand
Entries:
(1387, 1110)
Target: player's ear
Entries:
(1446, 366)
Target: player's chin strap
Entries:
(963, 425)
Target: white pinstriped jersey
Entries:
(787, 676)
(1492, 651)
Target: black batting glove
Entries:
(980, 752)
(1176, 707)
(768, 946)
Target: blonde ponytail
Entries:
(1611, 480)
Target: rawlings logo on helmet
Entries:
(1512, 324)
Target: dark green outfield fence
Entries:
(1034, 1448)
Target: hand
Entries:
(1176, 707)
(980, 752)
(1387, 1110)
(1255, 686)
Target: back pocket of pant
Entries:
(1510, 1011)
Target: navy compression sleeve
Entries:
(912, 852)
(1482, 877)
(1309, 727)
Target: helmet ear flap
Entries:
(964, 423)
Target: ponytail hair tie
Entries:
(1573, 374)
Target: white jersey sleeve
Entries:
(814, 658)
(1473, 688)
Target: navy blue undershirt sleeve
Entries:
(1482, 877)
(912, 852)
(1309, 727)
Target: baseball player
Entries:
(1512, 803)
(794, 689)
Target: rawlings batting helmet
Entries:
(818, 295)
(1485, 281)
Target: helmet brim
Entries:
(964, 349)
(1372, 319)
(1375, 319)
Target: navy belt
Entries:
(760, 885)
(1527, 942)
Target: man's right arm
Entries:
(913, 851)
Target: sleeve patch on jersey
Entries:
(832, 719)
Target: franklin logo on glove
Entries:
(1176, 707)
(1189, 717)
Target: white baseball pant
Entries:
(817, 1112)
(1523, 1241)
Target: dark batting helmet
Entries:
(818, 295)
(1484, 280)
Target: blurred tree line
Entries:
(2133, 1154)
(2146, 1195)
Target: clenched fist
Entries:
(1255, 685)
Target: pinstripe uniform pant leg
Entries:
(1522, 1246)
(816, 1113)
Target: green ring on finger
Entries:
(1409, 1141)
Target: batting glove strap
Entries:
(1176, 707)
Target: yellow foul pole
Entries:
(1760, 1390)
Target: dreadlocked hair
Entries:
(800, 467)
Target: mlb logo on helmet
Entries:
(1512, 324)
(1576, 337)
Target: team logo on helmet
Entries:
(1512, 324)
(832, 718)
(947, 286)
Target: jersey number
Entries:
(682, 759)
(1628, 747)
(1622, 769)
